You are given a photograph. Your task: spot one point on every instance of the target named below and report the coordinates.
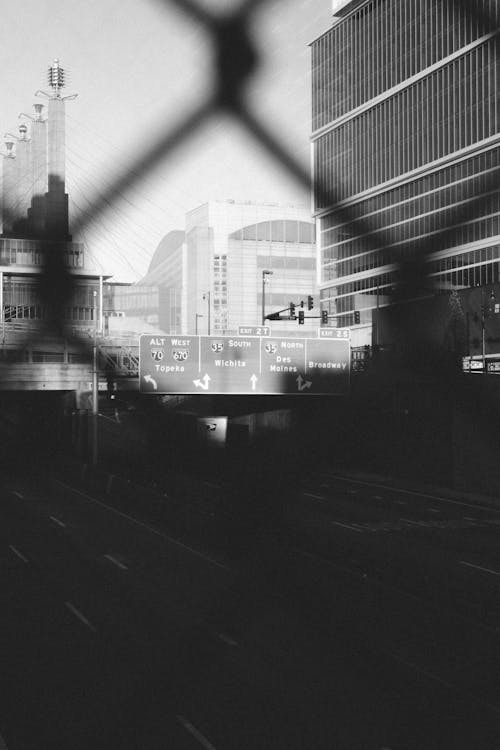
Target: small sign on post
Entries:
(254, 331)
(334, 333)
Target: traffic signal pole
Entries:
(324, 317)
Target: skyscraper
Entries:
(406, 130)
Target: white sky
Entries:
(138, 66)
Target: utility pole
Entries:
(264, 274)
(484, 315)
(483, 337)
(207, 297)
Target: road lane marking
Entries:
(195, 733)
(80, 616)
(433, 510)
(227, 639)
(418, 524)
(116, 562)
(468, 518)
(347, 526)
(3, 744)
(58, 522)
(18, 494)
(377, 583)
(316, 497)
(479, 567)
(425, 524)
(353, 492)
(437, 678)
(400, 502)
(411, 492)
(377, 497)
(408, 520)
(144, 526)
(19, 554)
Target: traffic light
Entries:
(310, 303)
(324, 316)
(301, 317)
(292, 311)
(356, 317)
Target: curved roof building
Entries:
(209, 277)
(228, 246)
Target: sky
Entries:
(139, 67)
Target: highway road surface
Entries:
(370, 621)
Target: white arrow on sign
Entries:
(303, 384)
(151, 380)
(253, 380)
(203, 383)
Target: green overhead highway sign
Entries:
(244, 365)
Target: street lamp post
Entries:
(264, 274)
(207, 297)
(198, 315)
(95, 387)
(484, 315)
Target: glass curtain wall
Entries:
(406, 120)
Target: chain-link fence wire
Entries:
(236, 59)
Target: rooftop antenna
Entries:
(56, 78)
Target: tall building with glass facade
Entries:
(406, 130)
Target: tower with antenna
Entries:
(38, 173)
(35, 203)
(9, 184)
(56, 217)
(35, 229)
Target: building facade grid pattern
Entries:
(405, 139)
(383, 43)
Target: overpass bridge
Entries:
(34, 358)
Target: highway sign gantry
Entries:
(244, 365)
